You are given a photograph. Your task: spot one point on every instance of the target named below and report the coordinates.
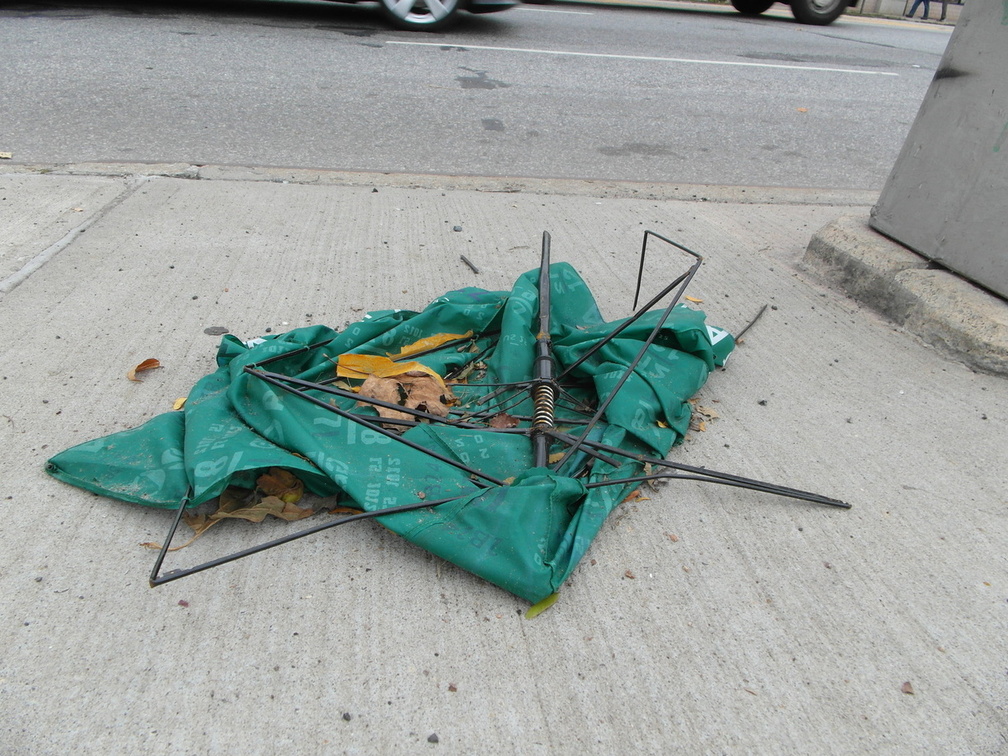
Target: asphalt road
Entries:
(671, 94)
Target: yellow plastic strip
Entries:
(542, 606)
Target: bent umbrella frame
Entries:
(554, 403)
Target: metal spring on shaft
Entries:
(544, 399)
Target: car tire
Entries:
(751, 7)
(817, 12)
(421, 15)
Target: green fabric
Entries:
(526, 536)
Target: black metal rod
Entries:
(569, 439)
(623, 326)
(544, 287)
(714, 475)
(450, 375)
(543, 390)
(438, 348)
(469, 262)
(293, 352)
(640, 271)
(768, 488)
(334, 391)
(636, 360)
(156, 580)
(651, 303)
(677, 245)
(501, 388)
(171, 534)
(505, 405)
(378, 429)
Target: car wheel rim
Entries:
(421, 11)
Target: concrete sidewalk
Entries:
(703, 621)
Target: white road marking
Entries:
(552, 10)
(645, 58)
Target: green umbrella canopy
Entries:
(467, 485)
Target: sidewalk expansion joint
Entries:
(14, 280)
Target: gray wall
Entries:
(947, 195)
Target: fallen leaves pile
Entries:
(276, 494)
(701, 416)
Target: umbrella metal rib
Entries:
(685, 281)
(156, 579)
(377, 427)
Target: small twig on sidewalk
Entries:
(738, 336)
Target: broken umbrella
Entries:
(499, 432)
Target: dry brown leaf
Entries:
(635, 495)
(907, 688)
(243, 504)
(343, 510)
(700, 416)
(149, 364)
(292, 512)
(503, 420)
(233, 498)
(257, 511)
(630, 575)
(199, 523)
(281, 483)
(414, 389)
(426, 394)
(384, 390)
(463, 375)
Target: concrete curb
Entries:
(941, 308)
(595, 188)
